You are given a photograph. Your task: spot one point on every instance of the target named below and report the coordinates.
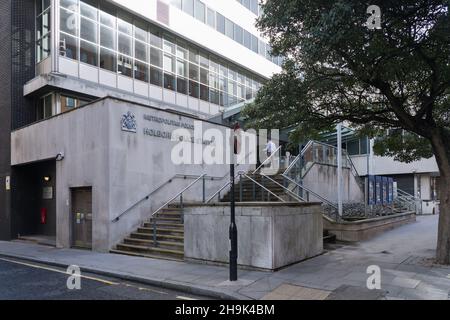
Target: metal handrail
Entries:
(265, 161)
(312, 192)
(257, 183)
(296, 196)
(183, 176)
(179, 194)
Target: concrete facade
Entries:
(322, 179)
(270, 235)
(121, 167)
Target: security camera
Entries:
(60, 156)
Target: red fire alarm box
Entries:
(43, 215)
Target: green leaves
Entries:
(339, 70)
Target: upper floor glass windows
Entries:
(200, 11)
(43, 28)
(139, 50)
(251, 5)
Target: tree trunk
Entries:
(441, 147)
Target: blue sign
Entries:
(378, 190)
(371, 196)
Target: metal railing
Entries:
(267, 160)
(409, 201)
(167, 203)
(308, 192)
(177, 176)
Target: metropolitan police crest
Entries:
(129, 122)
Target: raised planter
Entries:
(354, 231)
(270, 235)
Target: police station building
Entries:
(90, 92)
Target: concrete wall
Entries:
(270, 235)
(365, 229)
(388, 166)
(322, 179)
(122, 167)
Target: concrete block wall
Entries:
(270, 235)
(122, 167)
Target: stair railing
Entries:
(243, 174)
(178, 195)
(287, 190)
(267, 160)
(147, 197)
(409, 201)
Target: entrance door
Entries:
(82, 217)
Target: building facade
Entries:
(61, 61)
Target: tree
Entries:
(339, 70)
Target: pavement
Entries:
(404, 255)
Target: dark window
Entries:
(108, 60)
(156, 57)
(141, 71)
(169, 81)
(194, 88)
(193, 72)
(204, 92)
(182, 85)
(155, 76)
(214, 96)
(88, 53)
(140, 51)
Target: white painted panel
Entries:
(182, 100)
(213, 109)
(125, 83)
(156, 92)
(193, 103)
(44, 67)
(108, 78)
(141, 88)
(88, 72)
(68, 66)
(204, 106)
(169, 96)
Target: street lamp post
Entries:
(233, 233)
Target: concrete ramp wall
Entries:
(322, 179)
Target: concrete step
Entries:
(160, 224)
(151, 256)
(167, 219)
(165, 237)
(161, 231)
(150, 250)
(151, 243)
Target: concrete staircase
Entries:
(169, 237)
(254, 193)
